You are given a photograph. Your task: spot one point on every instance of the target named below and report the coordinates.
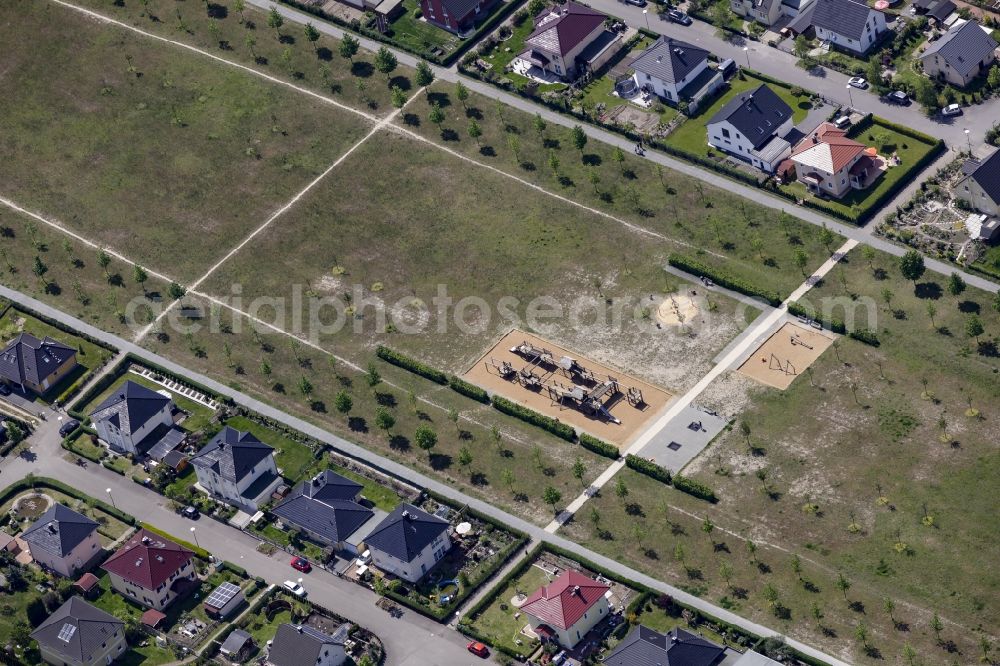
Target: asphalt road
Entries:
(49, 461)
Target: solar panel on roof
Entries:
(222, 595)
(67, 631)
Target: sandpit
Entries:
(632, 417)
(677, 310)
(786, 355)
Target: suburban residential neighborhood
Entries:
(443, 332)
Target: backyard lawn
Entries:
(418, 35)
(692, 135)
(290, 456)
(497, 621)
(199, 416)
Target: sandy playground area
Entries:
(786, 355)
(676, 310)
(568, 386)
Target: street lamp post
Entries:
(968, 140)
(645, 12)
(850, 95)
(194, 535)
(112, 498)
(746, 50)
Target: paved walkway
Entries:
(243, 553)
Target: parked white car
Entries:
(857, 82)
(294, 588)
(951, 110)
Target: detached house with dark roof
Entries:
(674, 70)
(646, 647)
(409, 542)
(36, 365)
(63, 540)
(458, 16)
(151, 570)
(980, 185)
(327, 509)
(567, 608)
(752, 126)
(237, 468)
(134, 419)
(79, 634)
(963, 54)
(570, 40)
(302, 645)
(848, 24)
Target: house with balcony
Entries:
(676, 71)
(752, 127)
(567, 608)
(151, 570)
(237, 468)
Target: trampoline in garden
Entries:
(626, 88)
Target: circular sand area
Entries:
(677, 310)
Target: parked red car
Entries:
(479, 649)
(301, 564)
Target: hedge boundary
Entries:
(599, 446)
(694, 488)
(649, 468)
(405, 362)
(865, 335)
(201, 553)
(723, 279)
(35, 482)
(468, 390)
(554, 426)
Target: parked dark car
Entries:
(68, 427)
(727, 67)
(897, 97)
(677, 16)
(637, 3)
(191, 512)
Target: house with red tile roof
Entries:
(830, 164)
(570, 40)
(151, 570)
(567, 608)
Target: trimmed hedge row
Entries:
(99, 387)
(468, 390)
(723, 279)
(405, 362)
(599, 446)
(694, 488)
(554, 426)
(199, 552)
(649, 468)
(865, 335)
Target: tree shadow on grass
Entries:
(324, 54)
(357, 424)
(385, 399)
(439, 98)
(592, 160)
(440, 461)
(473, 112)
(411, 119)
(634, 509)
(217, 11)
(931, 290)
(969, 307)
(362, 69)
(399, 443)
(479, 480)
(286, 39)
(487, 151)
(449, 135)
(402, 82)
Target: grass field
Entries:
(828, 459)
(692, 135)
(136, 144)
(497, 620)
(199, 415)
(421, 36)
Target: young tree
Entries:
(797, 567)
(974, 327)
(104, 260)
(925, 94)
(140, 276)
(385, 62)
(424, 76)
(306, 387)
(707, 526)
(373, 377)
(425, 438)
(40, 269)
(349, 48)
(621, 490)
(993, 79)
(507, 476)
(745, 431)
(274, 21)
(343, 402)
(595, 517)
(312, 35)
(515, 147)
(889, 606)
(475, 131)
(552, 497)
(465, 457)
(554, 164)
(384, 419)
(250, 41)
(868, 254)
(539, 124)
(436, 115)
(726, 573)
(579, 469)
(175, 291)
(579, 139)
(937, 626)
(398, 97)
(931, 311)
(827, 238)
(239, 6)
(887, 296)
(619, 156)
(462, 94)
(801, 260)
(843, 584)
(911, 266)
(861, 633)
(956, 285)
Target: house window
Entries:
(725, 133)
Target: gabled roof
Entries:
(963, 48)
(231, 454)
(147, 559)
(564, 28)
(28, 359)
(563, 602)
(59, 530)
(130, 407)
(300, 645)
(325, 506)
(77, 630)
(756, 114)
(645, 647)
(844, 17)
(406, 532)
(827, 148)
(669, 60)
(459, 9)
(986, 173)
(941, 9)
(235, 642)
